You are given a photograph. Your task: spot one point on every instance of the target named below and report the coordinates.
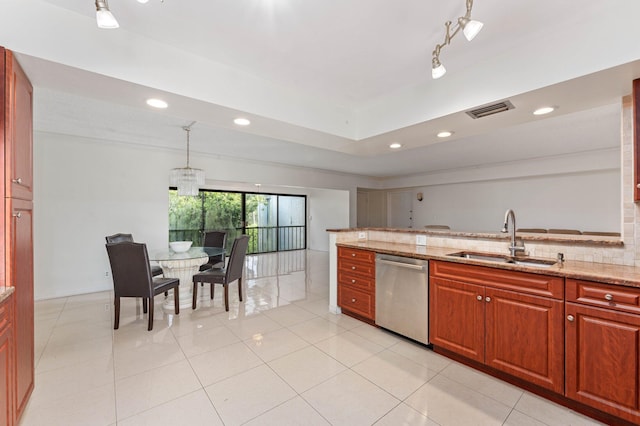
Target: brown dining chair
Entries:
(132, 278)
(225, 276)
(565, 231)
(601, 233)
(214, 239)
(119, 238)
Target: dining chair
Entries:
(118, 238)
(132, 277)
(225, 276)
(564, 231)
(214, 239)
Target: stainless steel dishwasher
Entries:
(402, 296)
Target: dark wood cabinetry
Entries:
(603, 347)
(510, 321)
(16, 268)
(6, 361)
(356, 283)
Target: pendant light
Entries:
(186, 179)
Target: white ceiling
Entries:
(329, 84)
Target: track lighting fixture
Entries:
(470, 29)
(104, 17)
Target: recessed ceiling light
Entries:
(157, 103)
(444, 134)
(242, 121)
(543, 110)
(143, 1)
(395, 145)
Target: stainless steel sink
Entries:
(498, 258)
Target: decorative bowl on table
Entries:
(180, 246)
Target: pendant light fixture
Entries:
(104, 17)
(186, 179)
(470, 29)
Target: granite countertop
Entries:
(5, 292)
(586, 240)
(628, 276)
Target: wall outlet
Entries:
(362, 235)
(421, 240)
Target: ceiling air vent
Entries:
(490, 109)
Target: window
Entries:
(274, 222)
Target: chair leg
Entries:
(176, 298)
(166, 294)
(144, 305)
(195, 296)
(212, 287)
(226, 297)
(116, 321)
(150, 315)
(240, 288)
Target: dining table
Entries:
(183, 265)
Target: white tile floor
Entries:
(279, 358)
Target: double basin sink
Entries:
(491, 257)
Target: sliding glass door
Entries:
(274, 222)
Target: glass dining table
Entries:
(183, 266)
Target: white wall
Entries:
(86, 189)
(585, 201)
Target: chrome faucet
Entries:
(513, 248)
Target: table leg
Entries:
(184, 270)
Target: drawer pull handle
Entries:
(570, 318)
(608, 297)
(17, 180)
(353, 267)
(17, 215)
(353, 281)
(479, 298)
(353, 300)
(353, 255)
(488, 299)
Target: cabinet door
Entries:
(18, 131)
(456, 317)
(603, 360)
(525, 337)
(19, 273)
(6, 364)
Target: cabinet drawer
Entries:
(625, 299)
(355, 254)
(356, 268)
(349, 279)
(535, 284)
(357, 301)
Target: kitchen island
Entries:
(565, 330)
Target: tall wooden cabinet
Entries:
(16, 270)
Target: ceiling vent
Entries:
(490, 109)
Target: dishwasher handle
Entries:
(401, 264)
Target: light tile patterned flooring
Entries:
(279, 358)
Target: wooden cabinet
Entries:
(510, 321)
(18, 131)
(356, 283)
(16, 248)
(6, 361)
(603, 347)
